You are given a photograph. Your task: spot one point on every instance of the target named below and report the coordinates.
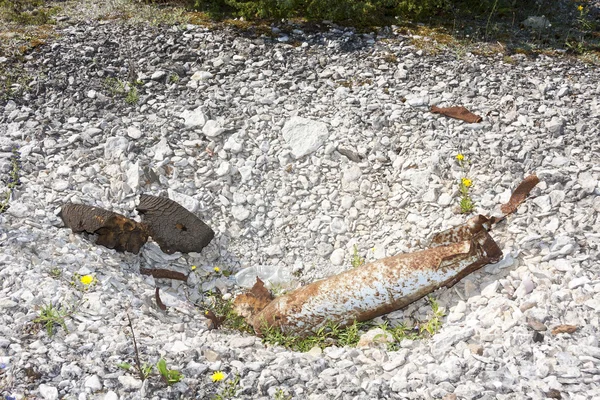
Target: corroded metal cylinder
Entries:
(382, 286)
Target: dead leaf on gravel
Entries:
(520, 194)
(252, 302)
(459, 112)
(159, 302)
(564, 329)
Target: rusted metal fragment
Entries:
(164, 274)
(172, 226)
(463, 232)
(457, 112)
(159, 302)
(564, 329)
(249, 304)
(114, 231)
(377, 288)
(520, 194)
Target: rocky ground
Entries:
(294, 147)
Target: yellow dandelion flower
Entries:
(193, 267)
(217, 376)
(580, 8)
(460, 157)
(467, 182)
(217, 269)
(87, 279)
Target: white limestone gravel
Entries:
(294, 148)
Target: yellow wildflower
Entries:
(580, 8)
(194, 267)
(217, 376)
(466, 182)
(217, 269)
(460, 157)
(87, 279)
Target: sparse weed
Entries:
(330, 334)
(464, 186)
(55, 272)
(280, 394)
(170, 376)
(50, 316)
(13, 179)
(421, 330)
(229, 390)
(132, 96)
(118, 88)
(223, 311)
(357, 260)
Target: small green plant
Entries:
(55, 272)
(330, 334)
(50, 316)
(132, 96)
(357, 260)
(223, 311)
(174, 78)
(116, 87)
(13, 179)
(464, 187)
(170, 376)
(280, 394)
(420, 331)
(27, 12)
(433, 325)
(145, 370)
(229, 389)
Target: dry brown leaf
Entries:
(251, 303)
(520, 194)
(159, 302)
(215, 322)
(457, 112)
(564, 329)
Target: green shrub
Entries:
(360, 12)
(27, 12)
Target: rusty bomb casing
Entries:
(384, 285)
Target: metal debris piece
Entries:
(172, 226)
(380, 287)
(114, 231)
(520, 194)
(457, 112)
(164, 274)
